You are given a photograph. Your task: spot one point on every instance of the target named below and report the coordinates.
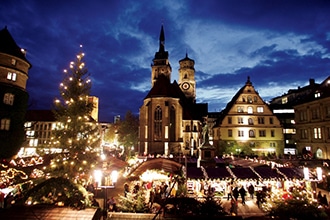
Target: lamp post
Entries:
(105, 182)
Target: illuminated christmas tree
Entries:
(294, 204)
(77, 134)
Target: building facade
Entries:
(170, 119)
(248, 126)
(312, 122)
(14, 69)
(283, 107)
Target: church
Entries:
(170, 119)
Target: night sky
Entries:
(279, 44)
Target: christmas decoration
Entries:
(76, 133)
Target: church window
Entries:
(317, 133)
(158, 123)
(185, 76)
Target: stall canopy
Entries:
(166, 165)
(262, 172)
(220, 172)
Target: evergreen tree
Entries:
(128, 132)
(76, 133)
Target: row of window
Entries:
(316, 132)
(252, 133)
(314, 113)
(261, 120)
(249, 110)
(248, 99)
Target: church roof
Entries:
(186, 59)
(164, 88)
(9, 46)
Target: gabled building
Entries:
(247, 125)
(312, 122)
(14, 69)
(170, 119)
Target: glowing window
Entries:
(11, 76)
(5, 124)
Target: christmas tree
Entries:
(77, 134)
(294, 204)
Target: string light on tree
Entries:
(76, 130)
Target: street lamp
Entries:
(105, 182)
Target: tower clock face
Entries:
(185, 86)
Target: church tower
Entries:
(161, 64)
(187, 81)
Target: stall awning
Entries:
(218, 173)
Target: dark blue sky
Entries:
(280, 44)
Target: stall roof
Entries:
(195, 173)
(292, 173)
(220, 172)
(166, 165)
(244, 173)
(268, 172)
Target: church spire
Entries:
(162, 40)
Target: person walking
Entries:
(229, 191)
(251, 190)
(235, 193)
(242, 193)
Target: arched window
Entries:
(158, 123)
(251, 133)
(173, 124)
(250, 120)
(319, 153)
(250, 110)
(249, 99)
